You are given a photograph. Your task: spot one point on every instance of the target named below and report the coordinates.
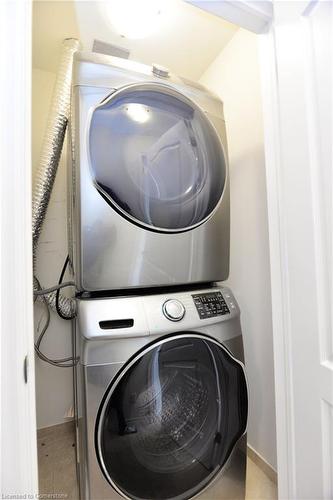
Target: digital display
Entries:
(210, 304)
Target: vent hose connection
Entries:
(49, 161)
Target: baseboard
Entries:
(262, 464)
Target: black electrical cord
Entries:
(68, 318)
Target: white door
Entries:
(300, 193)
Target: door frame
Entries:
(18, 466)
(300, 225)
(278, 243)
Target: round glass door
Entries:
(156, 158)
(170, 420)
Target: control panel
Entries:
(210, 304)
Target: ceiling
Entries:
(187, 39)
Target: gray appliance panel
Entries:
(101, 345)
(108, 251)
(94, 70)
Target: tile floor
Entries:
(56, 461)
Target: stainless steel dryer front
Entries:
(161, 399)
(149, 186)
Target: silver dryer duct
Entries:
(49, 160)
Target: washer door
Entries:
(171, 419)
(156, 158)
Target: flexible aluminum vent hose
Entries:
(49, 160)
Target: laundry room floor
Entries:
(57, 475)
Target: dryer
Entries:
(161, 397)
(148, 183)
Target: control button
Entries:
(211, 304)
(173, 309)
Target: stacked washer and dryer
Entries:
(160, 389)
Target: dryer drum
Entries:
(171, 419)
(156, 158)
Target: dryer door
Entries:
(156, 158)
(171, 419)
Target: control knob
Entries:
(173, 310)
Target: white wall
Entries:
(54, 392)
(234, 76)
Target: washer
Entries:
(148, 183)
(161, 397)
